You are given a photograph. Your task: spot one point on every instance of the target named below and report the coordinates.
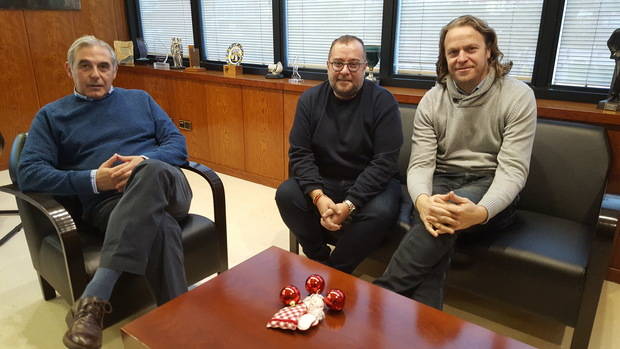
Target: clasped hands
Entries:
(332, 214)
(115, 177)
(448, 213)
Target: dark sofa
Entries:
(553, 261)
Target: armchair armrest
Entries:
(63, 224)
(219, 205)
(608, 216)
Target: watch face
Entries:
(234, 54)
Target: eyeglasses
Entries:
(353, 66)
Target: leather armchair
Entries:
(552, 262)
(65, 253)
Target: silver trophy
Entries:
(176, 51)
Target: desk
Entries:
(231, 311)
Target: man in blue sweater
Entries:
(118, 151)
(344, 151)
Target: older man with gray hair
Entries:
(118, 151)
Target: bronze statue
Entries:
(613, 100)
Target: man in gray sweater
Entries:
(472, 142)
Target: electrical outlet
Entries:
(185, 125)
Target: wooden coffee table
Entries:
(232, 309)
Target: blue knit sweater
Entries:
(72, 136)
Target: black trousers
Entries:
(142, 231)
(357, 239)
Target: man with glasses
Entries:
(344, 148)
(472, 141)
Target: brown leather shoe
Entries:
(85, 321)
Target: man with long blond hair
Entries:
(472, 142)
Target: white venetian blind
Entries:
(516, 23)
(312, 25)
(583, 57)
(248, 22)
(164, 19)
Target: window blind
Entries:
(248, 22)
(312, 25)
(582, 56)
(164, 19)
(516, 23)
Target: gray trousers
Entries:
(142, 231)
(419, 265)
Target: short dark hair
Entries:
(490, 39)
(345, 39)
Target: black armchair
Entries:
(65, 254)
(553, 261)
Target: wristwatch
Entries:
(350, 206)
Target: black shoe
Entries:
(85, 321)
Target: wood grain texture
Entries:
(120, 20)
(263, 132)
(289, 108)
(19, 100)
(96, 17)
(188, 102)
(231, 310)
(225, 131)
(50, 34)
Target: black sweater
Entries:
(358, 139)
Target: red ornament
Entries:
(315, 283)
(290, 295)
(334, 299)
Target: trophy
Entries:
(176, 51)
(295, 77)
(194, 60)
(612, 102)
(234, 57)
(373, 53)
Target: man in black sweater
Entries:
(344, 148)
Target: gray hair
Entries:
(88, 41)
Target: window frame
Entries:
(542, 74)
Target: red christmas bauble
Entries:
(334, 299)
(290, 295)
(315, 283)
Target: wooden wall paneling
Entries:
(263, 131)
(96, 18)
(19, 100)
(289, 105)
(159, 88)
(120, 20)
(188, 103)
(225, 132)
(130, 80)
(50, 34)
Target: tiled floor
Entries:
(27, 321)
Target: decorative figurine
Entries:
(176, 51)
(275, 71)
(613, 100)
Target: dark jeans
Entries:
(142, 231)
(357, 239)
(419, 266)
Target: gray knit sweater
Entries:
(489, 131)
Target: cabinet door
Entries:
(188, 103)
(263, 131)
(225, 131)
(290, 105)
